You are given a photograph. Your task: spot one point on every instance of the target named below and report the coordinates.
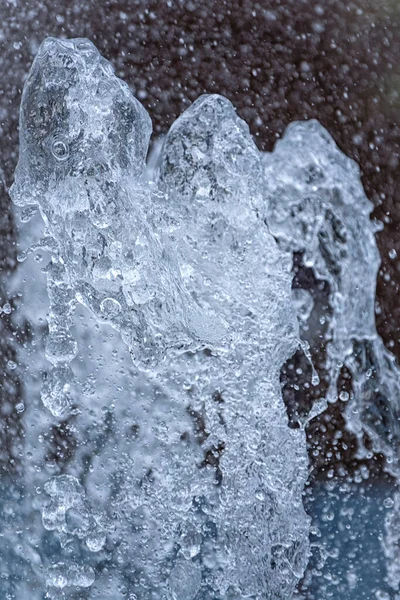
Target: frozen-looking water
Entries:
(317, 207)
(170, 318)
(208, 501)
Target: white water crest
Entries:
(318, 208)
(207, 502)
(170, 317)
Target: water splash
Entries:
(83, 144)
(192, 487)
(205, 497)
(209, 170)
(317, 207)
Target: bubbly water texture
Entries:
(83, 145)
(205, 497)
(191, 489)
(318, 208)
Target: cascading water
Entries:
(178, 475)
(318, 208)
(208, 500)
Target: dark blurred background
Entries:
(277, 60)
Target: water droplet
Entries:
(60, 150)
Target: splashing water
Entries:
(83, 144)
(317, 207)
(208, 170)
(204, 500)
(189, 487)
